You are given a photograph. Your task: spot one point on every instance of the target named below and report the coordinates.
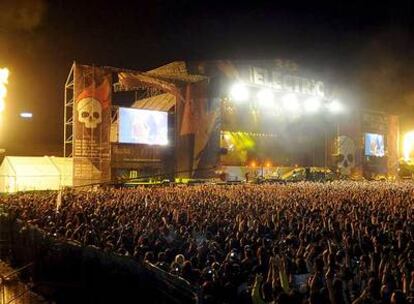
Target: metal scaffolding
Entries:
(68, 114)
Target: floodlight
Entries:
(239, 92)
(4, 75)
(312, 104)
(291, 103)
(335, 106)
(265, 98)
(408, 145)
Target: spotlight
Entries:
(253, 164)
(408, 145)
(335, 106)
(4, 75)
(290, 103)
(265, 98)
(239, 92)
(312, 104)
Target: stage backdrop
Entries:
(198, 139)
(91, 125)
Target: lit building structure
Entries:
(217, 118)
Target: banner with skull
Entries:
(91, 125)
(345, 154)
(348, 145)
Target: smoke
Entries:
(23, 15)
(384, 73)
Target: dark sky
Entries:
(365, 48)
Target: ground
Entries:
(13, 288)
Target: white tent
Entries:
(23, 173)
(65, 167)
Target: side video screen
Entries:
(374, 145)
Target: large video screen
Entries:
(138, 126)
(374, 144)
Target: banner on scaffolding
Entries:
(91, 125)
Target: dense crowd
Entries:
(340, 242)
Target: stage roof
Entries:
(162, 102)
(176, 71)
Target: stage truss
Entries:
(68, 114)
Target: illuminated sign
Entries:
(281, 81)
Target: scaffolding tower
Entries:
(68, 114)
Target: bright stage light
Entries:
(312, 104)
(239, 92)
(26, 115)
(335, 106)
(291, 103)
(408, 145)
(4, 76)
(265, 98)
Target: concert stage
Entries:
(198, 119)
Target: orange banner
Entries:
(91, 125)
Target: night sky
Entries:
(365, 48)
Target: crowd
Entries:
(340, 242)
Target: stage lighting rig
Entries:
(312, 104)
(239, 92)
(335, 106)
(291, 103)
(265, 98)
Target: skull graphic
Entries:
(89, 112)
(346, 155)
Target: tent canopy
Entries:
(21, 173)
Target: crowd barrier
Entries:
(70, 273)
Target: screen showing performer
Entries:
(374, 145)
(138, 126)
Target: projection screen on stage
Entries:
(138, 126)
